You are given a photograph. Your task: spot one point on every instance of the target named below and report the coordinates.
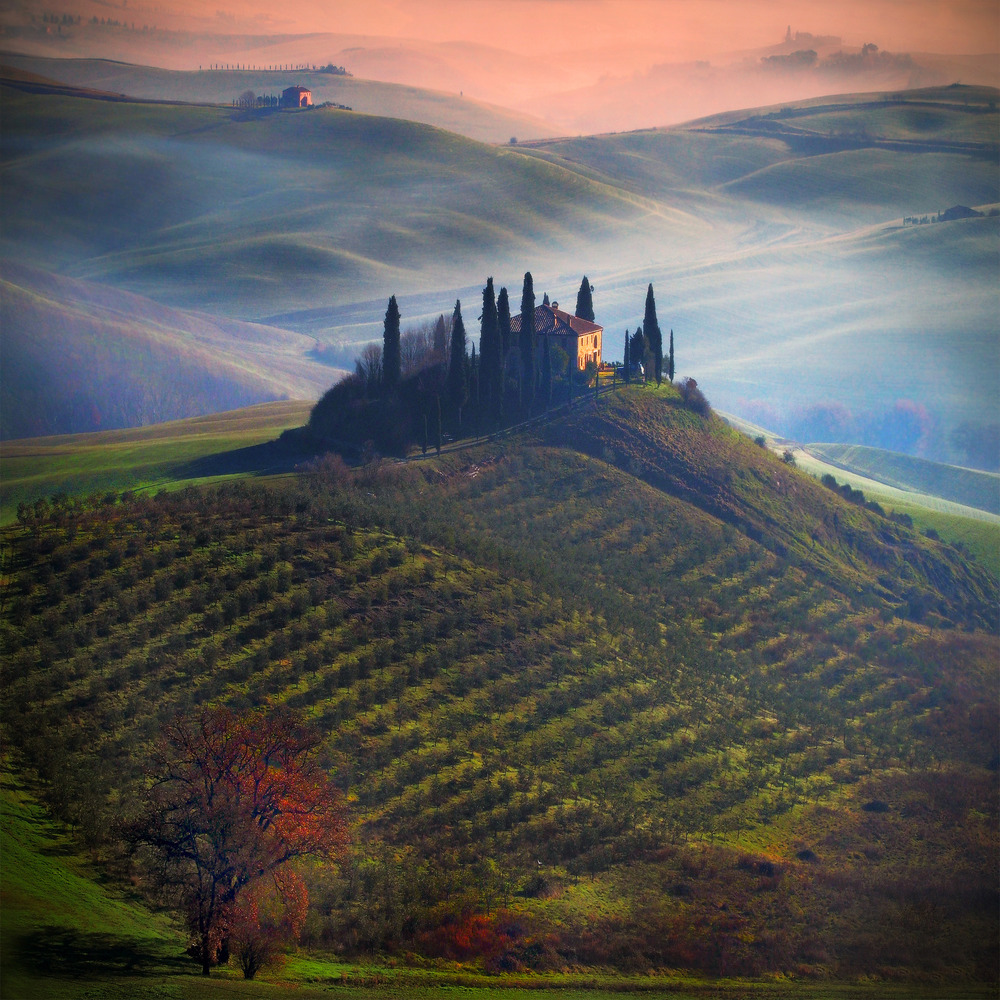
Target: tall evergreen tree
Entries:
(652, 330)
(670, 359)
(390, 347)
(472, 381)
(490, 353)
(440, 338)
(456, 388)
(503, 318)
(627, 362)
(526, 342)
(546, 372)
(639, 351)
(585, 301)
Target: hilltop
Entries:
(465, 116)
(672, 701)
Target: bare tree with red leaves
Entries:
(234, 798)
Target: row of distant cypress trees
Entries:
(446, 386)
(498, 389)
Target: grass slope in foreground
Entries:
(60, 925)
(164, 456)
(673, 703)
(65, 932)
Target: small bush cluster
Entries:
(692, 397)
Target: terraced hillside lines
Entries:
(553, 668)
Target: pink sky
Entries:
(682, 28)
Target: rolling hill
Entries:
(465, 116)
(775, 238)
(675, 703)
(78, 356)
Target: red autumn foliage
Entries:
(499, 941)
(268, 915)
(234, 798)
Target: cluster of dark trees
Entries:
(644, 348)
(248, 99)
(419, 386)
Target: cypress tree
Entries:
(503, 319)
(527, 341)
(585, 301)
(490, 352)
(670, 359)
(472, 381)
(456, 386)
(440, 338)
(390, 348)
(628, 364)
(653, 335)
(546, 373)
(505, 339)
(438, 436)
(639, 351)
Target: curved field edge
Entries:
(969, 487)
(977, 531)
(162, 456)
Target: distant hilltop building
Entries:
(296, 97)
(579, 338)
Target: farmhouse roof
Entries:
(552, 319)
(296, 90)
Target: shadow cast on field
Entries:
(268, 459)
(65, 951)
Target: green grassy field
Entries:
(968, 487)
(165, 456)
(977, 530)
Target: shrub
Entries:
(693, 398)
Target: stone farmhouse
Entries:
(296, 97)
(579, 338)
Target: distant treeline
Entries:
(868, 59)
(280, 68)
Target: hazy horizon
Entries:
(584, 65)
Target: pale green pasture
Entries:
(977, 530)
(136, 458)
